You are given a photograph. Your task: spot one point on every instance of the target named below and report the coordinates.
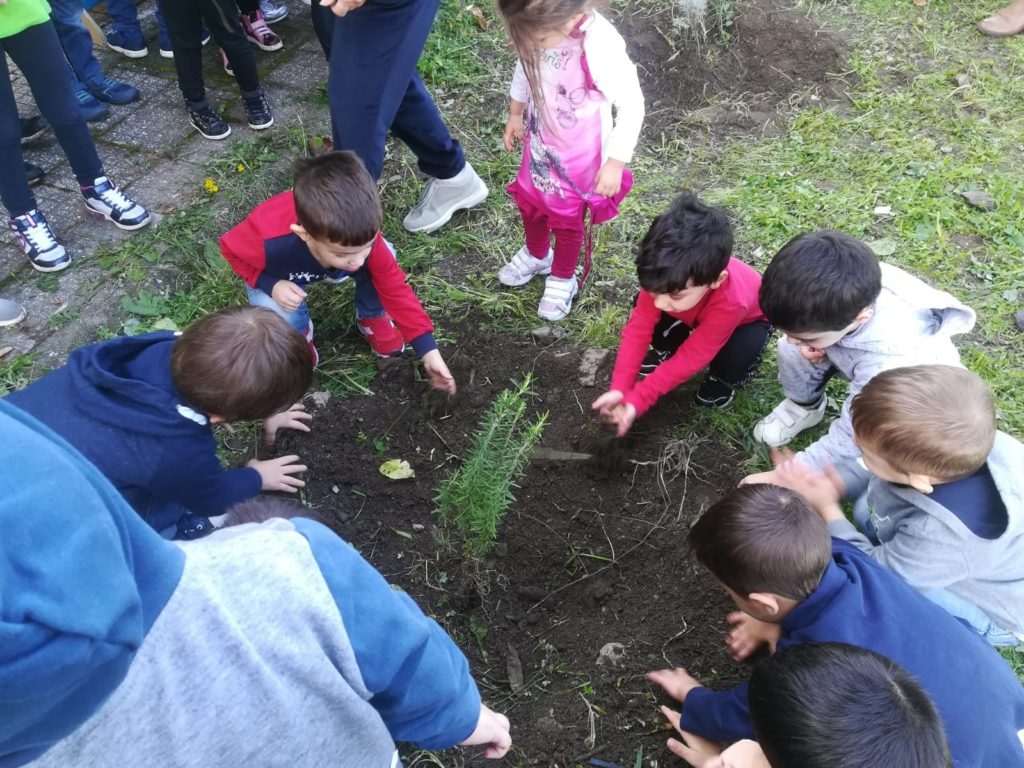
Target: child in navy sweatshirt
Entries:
(328, 228)
(141, 408)
(794, 584)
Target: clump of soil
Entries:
(589, 555)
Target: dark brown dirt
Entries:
(584, 558)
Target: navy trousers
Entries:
(373, 86)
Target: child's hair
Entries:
(763, 538)
(241, 363)
(336, 199)
(936, 420)
(259, 509)
(833, 705)
(819, 281)
(689, 241)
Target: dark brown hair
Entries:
(936, 420)
(259, 509)
(763, 538)
(241, 363)
(336, 199)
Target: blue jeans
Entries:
(76, 41)
(973, 617)
(124, 18)
(367, 301)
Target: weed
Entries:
(16, 373)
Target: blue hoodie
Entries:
(116, 403)
(860, 602)
(268, 645)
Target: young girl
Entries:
(572, 69)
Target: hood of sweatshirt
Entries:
(82, 580)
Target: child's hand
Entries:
(492, 730)
(609, 178)
(288, 295)
(341, 7)
(748, 634)
(622, 416)
(437, 372)
(697, 751)
(768, 478)
(813, 354)
(606, 402)
(677, 682)
(294, 418)
(513, 131)
(277, 473)
(823, 490)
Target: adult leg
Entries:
(222, 20)
(323, 26)
(735, 364)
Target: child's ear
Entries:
(766, 601)
(921, 483)
(864, 315)
(300, 230)
(720, 279)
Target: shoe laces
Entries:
(37, 232)
(259, 25)
(111, 195)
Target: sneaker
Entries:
(256, 29)
(92, 110)
(104, 200)
(714, 393)
(225, 63)
(257, 112)
(652, 360)
(34, 173)
(524, 267)
(787, 421)
(10, 312)
(385, 339)
(274, 10)
(443, 197)
(131, 45)
(557, 299)
(33, 128)
(37, 241)
(165, 42)
(208, 122)
(312, 348)
(112, 91)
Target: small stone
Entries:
(417, 526)
(321, 398)
(548, 332)
(611, 654)
(962, 80)
(335, 489)
(1018, 319)
(883, 210)
(983, 201)
(591, 362)
(501, 549)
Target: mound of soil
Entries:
(585, 558)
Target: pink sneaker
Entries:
(258, 33)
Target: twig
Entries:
(591, 722)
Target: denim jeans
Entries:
(367, 301)
(124, 17)
(974, 617)
(76, 42)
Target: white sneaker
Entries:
(10, 312)
(557, 299)
(443, 197)
(524, 267)
(786, 421)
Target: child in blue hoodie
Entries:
(262, 645)
(141, 408)
(793, 584)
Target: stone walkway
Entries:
(150, 150)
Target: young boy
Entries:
(944, 505)
(793, 584)
(328, 228)
(697, 308)
(261, 645)
(141, 408)
(841, 312)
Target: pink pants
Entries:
(568, 240)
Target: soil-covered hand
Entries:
(437, 372)
(609, 178)
(341, 7)
(623, 417)
(491, 730)
(278, 474)
(288, 295)
(748, 634)
(677, 682)
(294, 418)
(513, 129)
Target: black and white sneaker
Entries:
(208, 123)
(33, 128)
(652, 360)
(257, 111)
(34, 173)
(37, 241)
(714, 393)
(105, 201)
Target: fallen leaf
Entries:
(481, 21)
(397, 469)
(884, 247)
(514, 669)
(5, 351)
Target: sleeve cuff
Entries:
(266, 283)
(423, 344)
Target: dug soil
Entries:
(588, 555)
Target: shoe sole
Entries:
(55, 268)
(166, 54)
(15, 321)
(475, 200)
(26, 140)
(262, 127)
(37, 180)
(126, 227)
(263, 46)
(118, 102)
(210, 136)
(516, 284)
(140, 54)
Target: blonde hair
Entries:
(935, 420)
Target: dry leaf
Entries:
(397, 469)
(481, 20)
(5, 351)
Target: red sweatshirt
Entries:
(263, 249)
(713, 320)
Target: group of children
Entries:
(880, 628)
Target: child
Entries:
(273, 644)
(572, 69)
(185, 21)
(944, 507)
(697, 307)
(328, 228)
(793, 584)
(841, 312)
(28, 36)
(141, 408)
(829, 705)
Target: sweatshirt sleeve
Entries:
(636, 338)
(399, 299)
(195, 480)
(520, 88)
(245, 252)
(836, 446)
(419, 679)
(855, 477)
(718, 715)
(614, 74)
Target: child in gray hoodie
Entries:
(941, 500)
(841, 312)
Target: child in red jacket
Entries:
(328, 228)
(697, 308)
